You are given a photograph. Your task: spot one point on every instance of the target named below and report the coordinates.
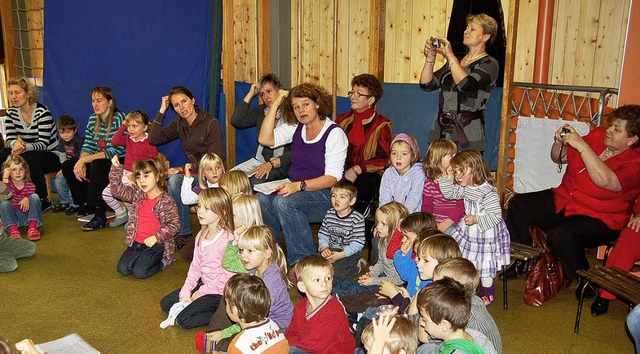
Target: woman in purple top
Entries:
(319, 150)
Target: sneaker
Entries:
(95, 223)
(46, 205)
(83, 212)
(15, 234)
(487, 299)
(72, 210)
(119, 220)
(56, 208)
(34, 234)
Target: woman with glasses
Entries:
(369, 135)
(275, 161)
(465, 83)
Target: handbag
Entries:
(546, 277)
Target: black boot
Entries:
(599, 307)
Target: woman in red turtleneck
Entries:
(369, 135)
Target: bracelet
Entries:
(271, 163)
(355, 171)
(431, 62)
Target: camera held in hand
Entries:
(564, 132)
(435, 42)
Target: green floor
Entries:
(71, 285)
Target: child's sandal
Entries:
(34, 234)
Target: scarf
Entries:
(356, 134)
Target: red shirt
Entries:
(148, 222)
(578, 195)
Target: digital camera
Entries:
(564, 132)
(435, 42)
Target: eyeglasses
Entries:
(357, 94)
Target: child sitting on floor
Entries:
(341, 236)
(445, 308)
(24, 208)
(403, 180)
(319, 323)
(70, 145)
(154, 218)
(248, 303)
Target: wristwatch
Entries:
(303, 186)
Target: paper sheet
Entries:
(269, 187)
(249, 167)
(71, 344)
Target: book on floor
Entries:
(70, 344)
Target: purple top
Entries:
(281, 306)
(434, 202)
(307, 160)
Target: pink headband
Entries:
(407, 139)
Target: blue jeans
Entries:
(64, 193)
(141, 260)
(292, 216)
(174, 186)
(350, 287)
(11, 217)
(633, 323)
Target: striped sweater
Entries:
(40, 135)
(101, 142)
(19, 194)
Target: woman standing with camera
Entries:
(465, 84)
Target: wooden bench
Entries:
(519, 252)
(624, 285)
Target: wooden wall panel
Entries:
(526, 41)
(245, 40)
(358, 46)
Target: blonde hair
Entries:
(247, 208)
(262, 238)
(439, 246)
(155, 166)
(474, 160)
(460, 269)
(488, 24)
(435, 153)
(138, 116)
(18, 160)
(395, 212)
(314, 261)
(235, 182)
(27, 86)
(218, 201)
(208, 159)
(403, 329)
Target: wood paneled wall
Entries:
(587, 44)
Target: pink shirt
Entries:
(207, 265)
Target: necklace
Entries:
(608, 153)
(470, 59)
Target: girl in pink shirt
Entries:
(205, 282)
(24, 208)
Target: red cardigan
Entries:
(577, 194)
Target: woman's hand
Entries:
(24, 205)
(115, 161)
(289, 188)
(263, 171)
(634, 223)
(164, 104)
(571, 138)
(279, 97)
(352, 173)
(80, 170)
(195, 295)
(187, 170)
(253, 91)
(429, 51)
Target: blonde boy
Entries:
(319, 323)
(341, 237)
(390, 334)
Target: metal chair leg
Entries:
(576, 328)
(504, 287)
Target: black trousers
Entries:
(567, 235)
(40, 162)
(198, 313)
(89, 193)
